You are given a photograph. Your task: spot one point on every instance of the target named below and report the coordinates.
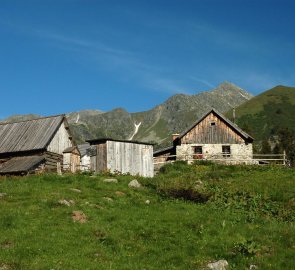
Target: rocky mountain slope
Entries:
(157, 124)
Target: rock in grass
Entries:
(79, 216)
(67, 203)
(75, 190)
(253, 266)
(147, 202)
(134, 184)
(111, 180)
(218, 265)
(108, 199)
(2, 195)
(5, 267)
(120, 193)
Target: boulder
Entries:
(134, 184)
(147, 202)
(2, 195)
(218, 265)
(110, 180)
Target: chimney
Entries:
(234, 115)
(174, 136)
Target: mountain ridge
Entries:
(157, 124)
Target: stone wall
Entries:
(240, 153)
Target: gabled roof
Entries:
(71, 149)
(227, 121)
(18, 165)
(28, 135)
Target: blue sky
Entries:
(59, 56)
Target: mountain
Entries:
(157, 124)
(264, 115)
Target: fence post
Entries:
(284, 157)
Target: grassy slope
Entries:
(247, 220)
(264, 114)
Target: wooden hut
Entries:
(34, 145)
(71, 159)
(121, 156)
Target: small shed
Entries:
(122, 156)
(71, 159)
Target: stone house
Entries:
(212, 137)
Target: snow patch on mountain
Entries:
(135, 131)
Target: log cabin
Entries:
(212, 137)
(38, 145)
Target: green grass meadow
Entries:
(197, 214)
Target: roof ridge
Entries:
(38, 118)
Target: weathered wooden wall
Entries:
(101, 157)
(71, 161)
(51, 161)
(133, 158)
(60, 141)
(205, 133)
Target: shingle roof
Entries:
(28, 135)
(21, 164)
(227, 121)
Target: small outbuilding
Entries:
(71, 159)
(121, 156)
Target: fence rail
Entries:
(259, 159)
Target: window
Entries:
(198, 152)
(212, 124)
(225, 150)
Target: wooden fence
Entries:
(256, 159)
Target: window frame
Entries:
(226, 151)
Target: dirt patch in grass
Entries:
(186, 194)
(79, 216)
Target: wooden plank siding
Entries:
(51, 161)
(205, 133)
(101, 157)
(130, 158)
